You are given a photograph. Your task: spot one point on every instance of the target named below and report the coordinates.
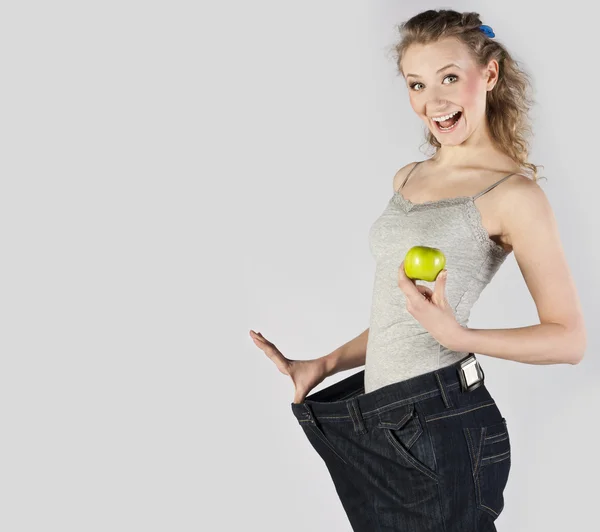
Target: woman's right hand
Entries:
(305, 374)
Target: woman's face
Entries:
(461, 87)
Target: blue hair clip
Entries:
(489, 32)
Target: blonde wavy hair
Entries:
(507, 104)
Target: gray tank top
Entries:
(398, 346)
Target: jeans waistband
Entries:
(345, 396)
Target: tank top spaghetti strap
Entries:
(486, 190)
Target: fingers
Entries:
(258, 336)
(425, 290)
(263, 343)
(440, 285)
(270, 349)
(299, 397)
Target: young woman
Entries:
(415, 442)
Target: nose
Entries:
(437, 106)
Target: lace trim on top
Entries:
(471, 212)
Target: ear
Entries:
(491, 73)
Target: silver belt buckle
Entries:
(470, 374)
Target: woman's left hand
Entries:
(432, 309)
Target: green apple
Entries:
(424, 263)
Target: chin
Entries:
(444, 141)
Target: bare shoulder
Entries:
(522, 203)
(520, 189)
(401, 174)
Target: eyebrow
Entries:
(443, 68)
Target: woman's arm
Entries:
(560, 338)
(350, 355)
(544, 343)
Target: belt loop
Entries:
(356, 416)
(442, 387)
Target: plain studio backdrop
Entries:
(175, 174)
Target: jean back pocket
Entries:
(489, 449)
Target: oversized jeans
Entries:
(420, 455)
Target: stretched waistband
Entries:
(340, 399)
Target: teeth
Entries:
(442, 118)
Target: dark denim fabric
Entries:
(420, 455)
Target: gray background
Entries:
(175, 175)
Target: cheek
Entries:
(472, 93)
(417, 106)
(413, 103)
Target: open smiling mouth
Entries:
(449, 124)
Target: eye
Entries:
(412, 85)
